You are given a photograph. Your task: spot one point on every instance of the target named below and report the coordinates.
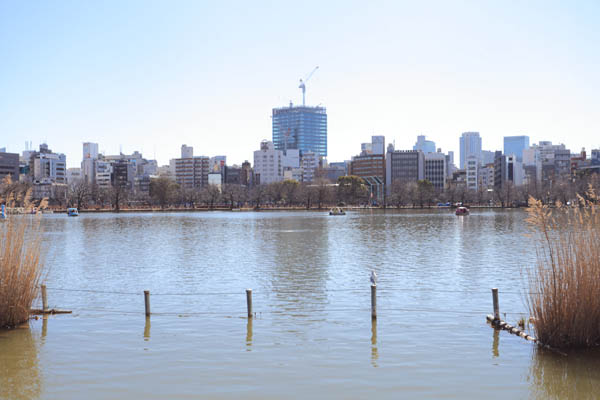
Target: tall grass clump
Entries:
(20, 266)
(564, 295)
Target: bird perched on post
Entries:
(373, 278)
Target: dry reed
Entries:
(20, 265)
(564, 295)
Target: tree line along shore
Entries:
(350, 191)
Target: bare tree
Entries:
(233, 194)
(118, 195)
(210, 195)
(258, 194)
(79, 194)
(162, 190)
(323, 192)
(399, 193)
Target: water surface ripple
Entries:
(312, 335)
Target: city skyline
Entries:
(150, 76)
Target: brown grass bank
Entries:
(20, 260)
(564, 297)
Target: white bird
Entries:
(373, 278)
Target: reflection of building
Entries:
(300, 127)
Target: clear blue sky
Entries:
(149, 75)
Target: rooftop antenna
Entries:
(303, 85)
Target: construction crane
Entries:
(303, 84)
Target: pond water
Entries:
(312, 335)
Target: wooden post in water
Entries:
(44, 299)
(496, 306)
(147, 302)
(373, 301)
(249, 302)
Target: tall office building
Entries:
(90, 150)
(515, 145)
(426, 146)
(187, 151)
(300, 127)
(88, 164)
(470, 145)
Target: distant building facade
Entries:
(9, 165)
(435, 170)
(515, 145)
(470, 145)
(404, 166)
(424, 145)
(300, 127)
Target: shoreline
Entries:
(269, 209)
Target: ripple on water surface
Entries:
(312, 334)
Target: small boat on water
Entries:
(462, 211)
(72, 212)
(337, 211)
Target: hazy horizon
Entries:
(151, 76)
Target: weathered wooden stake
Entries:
(44, 299)
(249, 302)
(373, 301)
(147, 302)
(496, 306)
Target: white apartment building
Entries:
(50, 167)
(268, 163)
(73, 175)
(103, 172)
(310, 163)
(435, 169)
(472, 171)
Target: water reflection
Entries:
(249, 335)
(576, 376)
(20, 376)
(44, 327)
(374, 350)
(147, 327)
(496, 343)
(301, 258)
